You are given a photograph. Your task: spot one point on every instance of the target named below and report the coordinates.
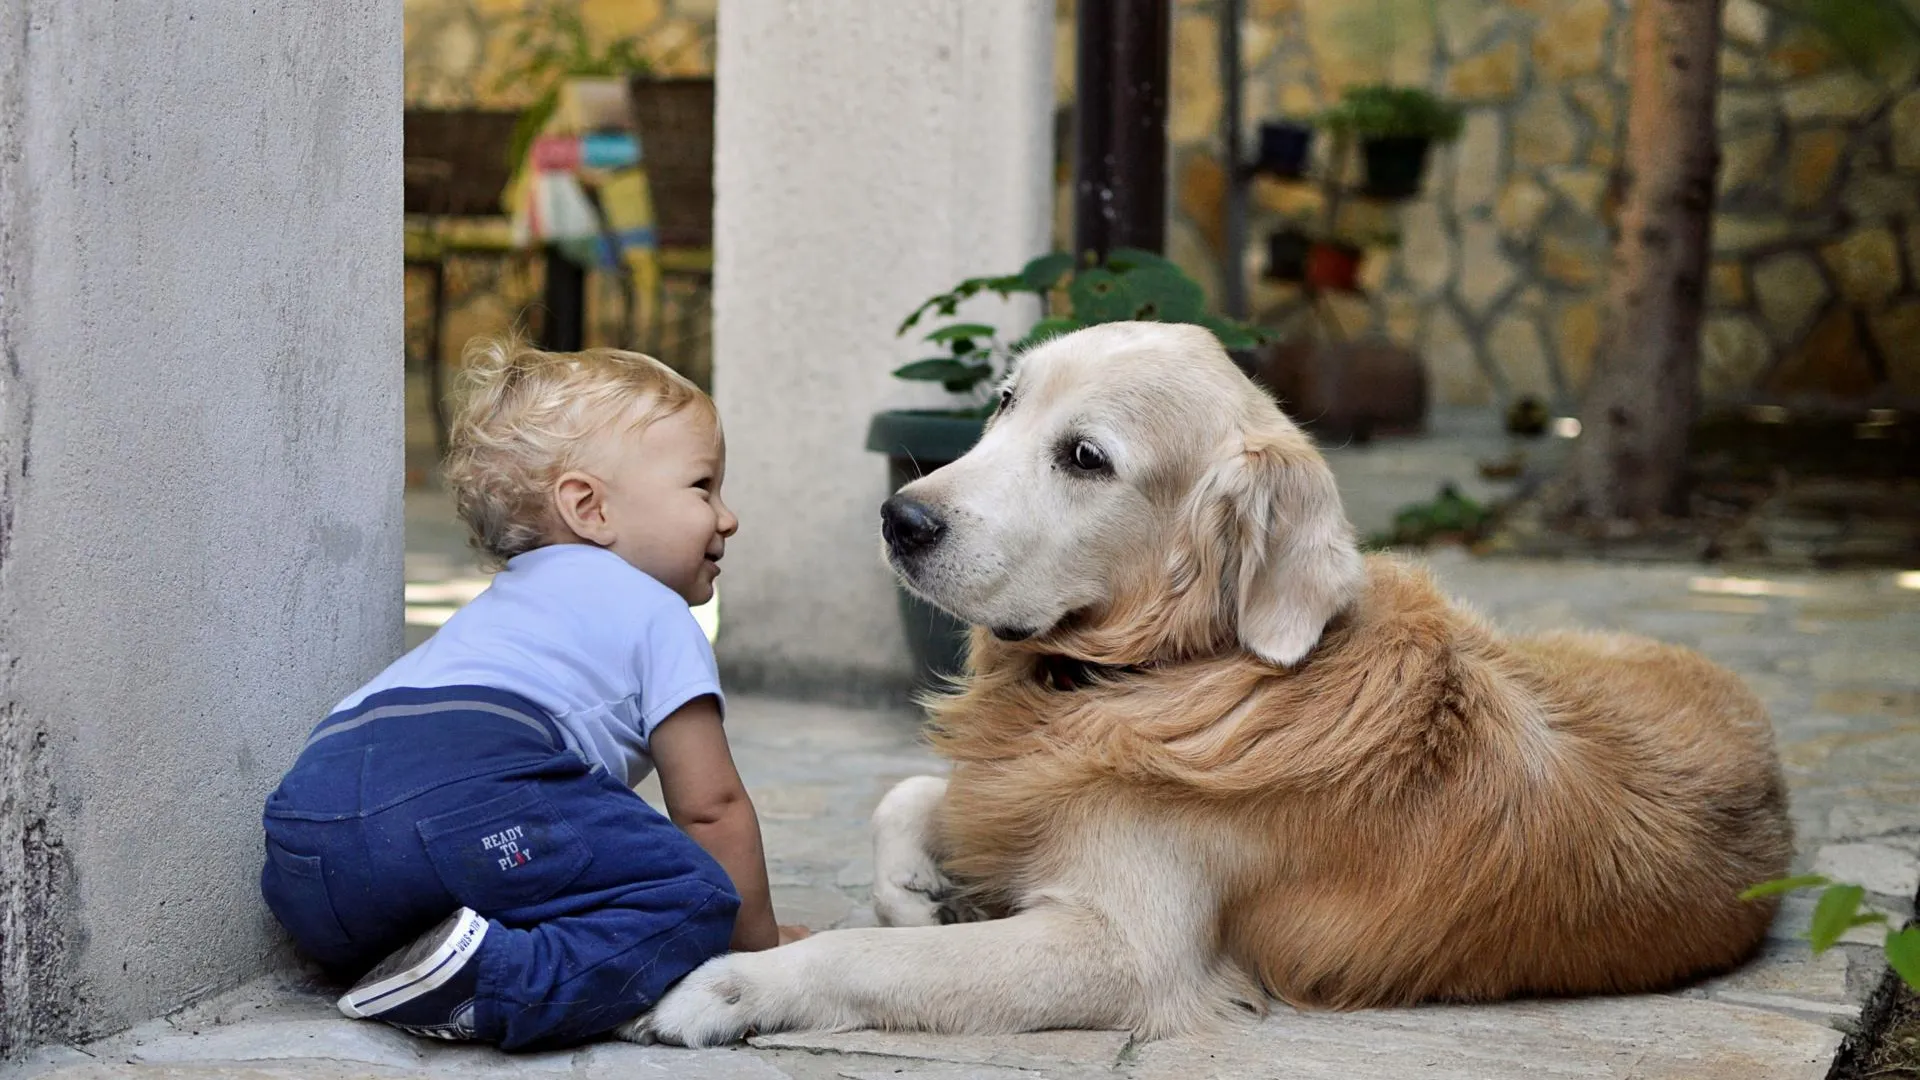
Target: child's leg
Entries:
(646, 908)
(593, 903)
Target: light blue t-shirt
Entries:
(606, 650)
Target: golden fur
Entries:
(1421, 809)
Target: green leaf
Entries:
(913, 319)
(1100, 296)
(1125, 259)
(961, 386)
(961, 330)
(1045, 329)
(943, 369)
(1232, 335)
(1783, 885)
(1833, 915)
(1166, 294)
(1903, 954)
(1045, 272)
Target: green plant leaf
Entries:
(1833, 915)
(959, 331)
(1100, 296)
(1903, 954)
(943, 369)
(1783, 885)
(1166, 294)
(1046, 328)
(1379, 110)
(1232, 335)
(1045, 272)
(944, 303)
(1123, 259)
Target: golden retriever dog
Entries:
(1208, 754)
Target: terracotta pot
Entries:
(1333, 267)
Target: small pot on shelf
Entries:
(1333, 266)
(1395, 165)
(1284, 147)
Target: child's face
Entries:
(663, 500)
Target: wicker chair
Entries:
(455, 165)
(673, 119)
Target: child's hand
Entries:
(791, 934)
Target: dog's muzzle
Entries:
(910, 527)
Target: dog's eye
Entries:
(1006, 399)
(1087, 457)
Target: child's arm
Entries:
(706, 799)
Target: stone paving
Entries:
(1836, 656)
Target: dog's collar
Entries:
(1066, 674)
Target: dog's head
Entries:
(1135, 497)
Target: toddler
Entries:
(469, 815)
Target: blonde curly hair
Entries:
(524, 417)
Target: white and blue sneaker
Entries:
(427, 987)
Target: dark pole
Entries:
(1120, 139)
(1234, 236)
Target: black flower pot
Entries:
(916, 443)
(1283, 148)
(1287, 255)
(1395, 165)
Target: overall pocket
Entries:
(295, 889)
(512, 851)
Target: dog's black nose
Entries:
(910, 527)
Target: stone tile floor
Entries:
(1836, 655)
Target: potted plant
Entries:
(1284, 147)
(969, 358)
(1396, 126)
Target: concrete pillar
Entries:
(200, 469)
(870, 154)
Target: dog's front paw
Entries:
(911, 896)
(710, 1007)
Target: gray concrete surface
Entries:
(870, 154)
(200, 516)
(1831, 654)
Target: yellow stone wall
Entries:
(458, 49)
(1498, 274)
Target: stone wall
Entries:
(1497, 276)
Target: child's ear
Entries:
(581, 501)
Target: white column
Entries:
(200, 469)
(870, 153)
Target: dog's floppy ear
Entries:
(1289, 553)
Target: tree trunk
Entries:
(1631, 460)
